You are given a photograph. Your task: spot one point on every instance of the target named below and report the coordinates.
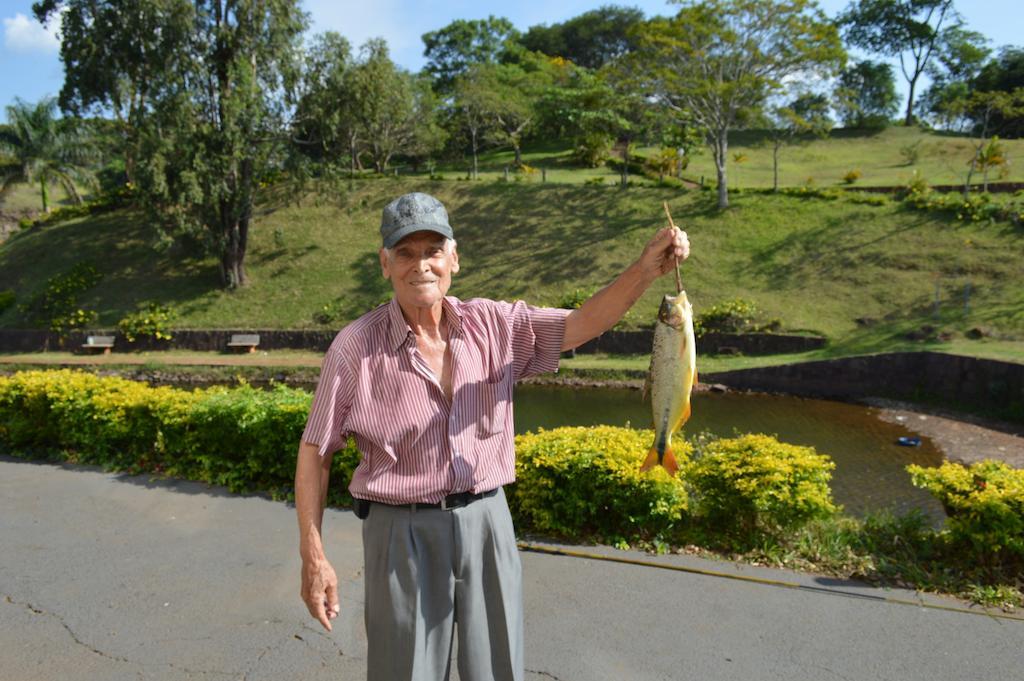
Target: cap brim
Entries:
(400, 234)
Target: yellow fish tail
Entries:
(666, 461)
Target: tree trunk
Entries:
(775, 167)
(476, 173)
(232, 261)
(625, 164)
(42, 188)
(909, 120)
(352, 156)
(721, 148)
(519, 156)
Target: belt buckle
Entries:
(444, 504)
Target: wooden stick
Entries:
(679, 280)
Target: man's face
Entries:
(419, 269)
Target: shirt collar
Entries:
(399, 329)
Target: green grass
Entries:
(942, 159)
(817, 265)
(24, 199)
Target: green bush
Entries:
(985, 505)
(587, 482)
(151, 321)
(754, 486)
(6, 300)
(733, 316)
(574, 299)
(56, 306)
(243, 438)
(851, 176)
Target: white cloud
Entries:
(22, 34)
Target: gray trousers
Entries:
(429, 572)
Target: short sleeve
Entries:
(332, 401)
(537, 335)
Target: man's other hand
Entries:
(320, 590)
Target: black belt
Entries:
(457, 500)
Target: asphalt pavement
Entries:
(107, 577)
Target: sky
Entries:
(30, 65)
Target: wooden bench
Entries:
(104, 343)
(247, 341)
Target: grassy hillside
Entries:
(817, 265)
(942, 159)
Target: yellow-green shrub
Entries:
(580, 481)
(755, 485)
(240, 437)
(984, 502)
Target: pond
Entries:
(870, 466)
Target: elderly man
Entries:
(424, 384)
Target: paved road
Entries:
(106, 577)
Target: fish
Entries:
(671, 378)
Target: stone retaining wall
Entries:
(618, 342)
(639, 342)
(959, 382)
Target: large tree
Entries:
(719, 61)
(591, 39)
(896, 28)
(116, 55)
(212, 121)
(395, 110)
(43, 149)
(325, 125)
(865, 95)
(464, 42)
(1005, 73)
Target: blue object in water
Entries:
(909, 441)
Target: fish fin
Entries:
(647, 388)
(651, 461)
(694, 378)
(669, 462)
(683, 418)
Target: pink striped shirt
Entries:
(416, 446)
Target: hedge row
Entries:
(574, 482)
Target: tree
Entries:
(474, 97)
(806, 117)
(212, 122)
(719, 60)
(464, 42)
(583, 110)
(591, 39)
(1003, 74)
(395, 111)
(325, 124)
(43, 150)
(990, 111)
(116, 55)
(896, 27)
(865, 95)
(958, 60)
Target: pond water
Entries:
(870, 466)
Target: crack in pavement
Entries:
(115, 658)
(540, 672)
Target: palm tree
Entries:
(41, 148)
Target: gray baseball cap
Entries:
(413, 213)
